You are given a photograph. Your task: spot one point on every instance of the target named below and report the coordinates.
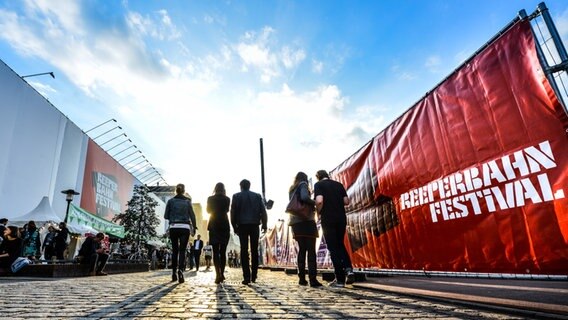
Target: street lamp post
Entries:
(70, 194)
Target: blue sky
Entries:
(195, 84)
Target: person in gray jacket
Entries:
(247, 212)
(181, 219)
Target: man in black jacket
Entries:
(197, 247)
(247, 212)
(94, 254)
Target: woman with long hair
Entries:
(305, 231)
(219, 228)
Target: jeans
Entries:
(179, 237)
(249, 232)
(334, 235)
(307, 245)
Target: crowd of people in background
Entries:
(248, 214)
(26, 242)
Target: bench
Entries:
(70, 268)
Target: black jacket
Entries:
(247, 207)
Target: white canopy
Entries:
(43, 213)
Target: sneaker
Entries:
(303, 282)
(336, 284)
(350, 276)
(246, 282)
(102, 273)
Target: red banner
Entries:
(472, 177)
(107, 186)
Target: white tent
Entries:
(43, 213)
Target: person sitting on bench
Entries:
(94, 254)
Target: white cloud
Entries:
(402, 74)
(160, 26)
(291, 58)
(259, 52)
(433, 63)
(208, 19)
(407, 76)
(43, 89)
(561, 22)
(183, 115)
(255, 53)
(317, 66)
(56, 12)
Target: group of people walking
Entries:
(247, 211)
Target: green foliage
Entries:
(139, 219)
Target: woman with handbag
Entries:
(304, 230)
(219, 229)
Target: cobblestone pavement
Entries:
(151, 295)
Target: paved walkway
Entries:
(535, 298)
(150, 295)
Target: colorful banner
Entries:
(471, 178)
(278, 247)
(85, 218)
(107, 186)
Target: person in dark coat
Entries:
(331, 199)
(305, 232)
(94, 254)
(197, 248)
(61, 241)
(48, 245)
(11, 247)
(219, 229)
(247, 213)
